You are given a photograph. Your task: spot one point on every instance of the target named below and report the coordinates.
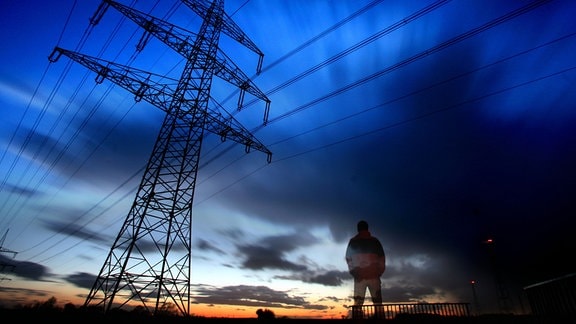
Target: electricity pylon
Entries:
(4, 265)
(149, 264)
(504, 302)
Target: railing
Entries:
(554, 299)
(392, 311)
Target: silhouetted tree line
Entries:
(42, 311)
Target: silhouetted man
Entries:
(366, 263)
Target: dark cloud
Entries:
(24, 269)
(256, 296)
(45, 149)
(20, 191)
(81, 279)
(268, 252)
(287, 243)
(204, 245)
(262, 258)
(124, 149)
(325, 278)
(329, 278)
(74, 230)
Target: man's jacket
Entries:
(365, 256)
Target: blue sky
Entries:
(441, 123)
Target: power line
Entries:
(414, 58)
(428, 114)
(427, 88)
(349, 50)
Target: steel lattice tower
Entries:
(149, 264)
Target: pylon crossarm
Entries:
(139, 82)
(181, 40)
(230, 72)
(164, 31)
(229, 128)
(142, 84)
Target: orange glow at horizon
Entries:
(235, 311)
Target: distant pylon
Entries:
(149, 264)
(3, 265)
(503, 296)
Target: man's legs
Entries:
(359, 293)
(375, 288)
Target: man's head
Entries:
(362, 226)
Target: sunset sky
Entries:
(441, 123)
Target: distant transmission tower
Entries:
(504, 301)
(4, 265)
(149, 264)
